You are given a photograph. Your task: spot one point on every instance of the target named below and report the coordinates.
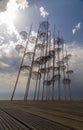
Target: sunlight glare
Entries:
(9, 16)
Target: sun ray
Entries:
(8, 17)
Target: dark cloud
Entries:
(9, 58)
(19, 48)
(9, 65)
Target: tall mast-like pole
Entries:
(39, 86)
(46, 43)
(36, 86)
(59, 95)
(39, 67)
(53, 65)
(21, 64)
(44, 72)
(68, 77)
(49, 64)
(64, 70)
(30, 72)
(48, 70)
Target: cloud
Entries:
(3, 5)
(76, 63)
(10, 61)
(20, 3)
(76, 28)
(9, 58)
(74, 31)
(9, 10)
(43, 13)
(11, 53)
(76, 59)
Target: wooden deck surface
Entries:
(20, 115)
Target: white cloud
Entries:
(43, 13)
(11, 54)
(76, 28)
(8, 14)
(20, 3)
(9, 34)
(10, 61)
(74, 31)
(1, 39)
(76, 63)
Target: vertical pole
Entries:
(40, 66)
(45, 63)
(21, 64)
(48, 76)
(64, 71)
(68, 77)
(53, 65)
(59, 96)
(44, 73)
(48, 86)
(39, 87)
(35, 88)
(30, 72)
(29, 78)
(70, 91)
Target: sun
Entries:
(8, 17)
(12, 7)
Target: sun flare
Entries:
(8, 17)
(12, 7)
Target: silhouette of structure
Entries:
(49, 64)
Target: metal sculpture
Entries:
(48, 64)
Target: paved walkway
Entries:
(20, 115)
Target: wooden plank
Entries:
(39, 115)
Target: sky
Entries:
(17, 16)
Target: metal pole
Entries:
(53, 65)
(35, 88)
(37, 82)
(44, 77)
(59, 96)
(45, 67)
(38, 88)
(68, 78)
(48, 75)
(45, 62)
(21, 64)
(30, 72)
(64, 71)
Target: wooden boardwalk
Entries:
(20, 115)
